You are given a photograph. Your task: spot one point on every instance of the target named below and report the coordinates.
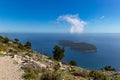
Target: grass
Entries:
(30, 74)
(98, 75)
(118, 78)
(15, 62)
(2, 55)
(2, 48)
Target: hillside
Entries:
(19, 62)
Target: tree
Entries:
(28, 45)
(16, 40)
(58, 53)
(73, 63)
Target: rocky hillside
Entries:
(36, 66)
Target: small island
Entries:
(81, 46)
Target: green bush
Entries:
(79, 72)
(30, 73)
(1, 38)
(51, 76)
(56, 67)
(73, 63)
(29, 54)
(16, 40)
(6, 40)
(51, 58)
(21, 46)
(28, 45)
(98, 75)
(10, 50)
(108, 68)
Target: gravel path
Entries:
(9, 70)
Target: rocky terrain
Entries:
(19, 62)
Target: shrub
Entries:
(29, 54)
(30, 73)
(56, 67)
(28, 45)
(10, 50)
(98, 75)
(2, 48)
(80, 72)
(108, 68)
(16, 40)
(47, 76)
(51, 76)
(6, 40)
(1, 38)
(51, 58)
(20, 46)
(73, 63)
(118, 78)
(15, 52)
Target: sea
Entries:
(108, 45)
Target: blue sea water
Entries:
(108, 47)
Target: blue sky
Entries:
(60, 16)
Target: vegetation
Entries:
(30, 74)
(28, 45)
(2, 48)
(21, 46)
(56, 67)
(98, 75)
(1, 38)
(6, 40)
(79, 72)
(81, 46)
(118, 78)
(58, 53)
(16, 40)
(51, 76)
(73, 63)
(29, 54)
(108, 68)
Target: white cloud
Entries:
(77, 25)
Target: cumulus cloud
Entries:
(77, 25)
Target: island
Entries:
(81, 46)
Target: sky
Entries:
(60, 16)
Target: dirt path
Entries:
(9, 70)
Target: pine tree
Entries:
(58, 53)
